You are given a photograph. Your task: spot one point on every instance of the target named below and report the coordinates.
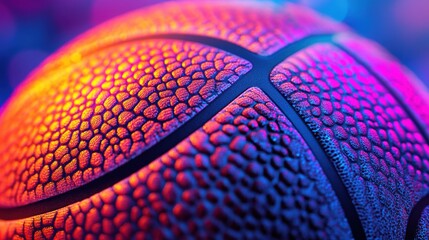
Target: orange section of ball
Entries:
(261, 27)
(109, 95)
(68, 126)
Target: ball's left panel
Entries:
(73, 124)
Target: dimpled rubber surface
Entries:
(87, 119)
(112, 137)
(377, 149)
(247, 163)
(413, 91)
(260, 27)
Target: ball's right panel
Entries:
(376, 146)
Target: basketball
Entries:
(216, 120)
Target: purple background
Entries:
(32, 29)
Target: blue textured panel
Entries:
(378, 150)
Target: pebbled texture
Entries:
(262, 28)
(246, 173)
(376, 147)
(413, 92)
(66, 127)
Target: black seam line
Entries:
(415, 215)
(163, 145)
(194, 38)
(325, 163)
(418, 208)
(262, 66)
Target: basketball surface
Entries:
(216, 120)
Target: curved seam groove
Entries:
(220, 44)
(415, 216)
(327, 166)
(262, 67)
(417, 210)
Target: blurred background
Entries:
(32, 29)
